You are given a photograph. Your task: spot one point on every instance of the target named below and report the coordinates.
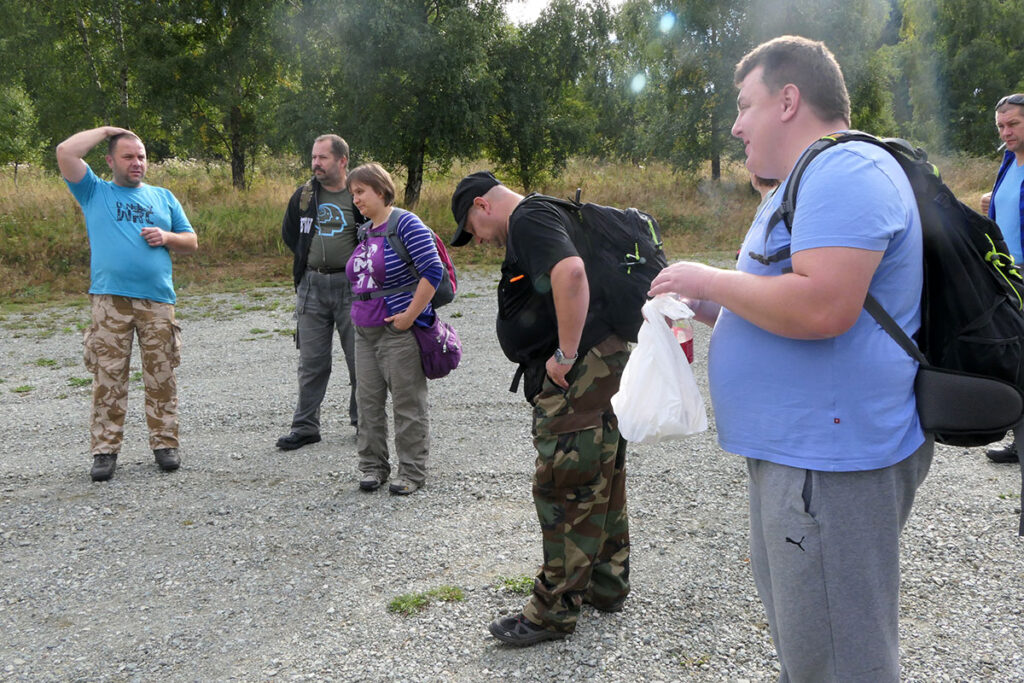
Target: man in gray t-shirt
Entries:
(320, 228)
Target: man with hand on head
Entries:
(132, 229)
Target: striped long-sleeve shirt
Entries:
(419, 241)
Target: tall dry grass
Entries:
(44, 253)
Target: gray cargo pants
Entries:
(323, 302)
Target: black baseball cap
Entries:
(472, 186)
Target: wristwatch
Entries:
(562, 359)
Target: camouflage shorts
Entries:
(108, 348)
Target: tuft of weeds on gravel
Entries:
(696, 661)
(45, 362)
(410, 603)
(23, 389)
(79, 382)
(516, 584)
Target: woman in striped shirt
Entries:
(388, 299)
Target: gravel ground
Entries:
(254, 564)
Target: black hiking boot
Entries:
(1003, 454)
(519, 631)
(103, 465)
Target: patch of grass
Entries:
(137, 376)
(46, 362)
(79, 382)
(23, 389)
(516, 584)
(410, 603)
(258, 330)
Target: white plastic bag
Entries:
(658, 399)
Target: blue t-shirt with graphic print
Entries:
(122, 262)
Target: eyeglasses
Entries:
(1016, 98)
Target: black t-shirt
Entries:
(539, 237)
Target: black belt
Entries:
(324, 270)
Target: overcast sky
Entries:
(526, 11)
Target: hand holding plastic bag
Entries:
(658, 399)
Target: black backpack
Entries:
(446, 288)
(972, 306)
(622, 250)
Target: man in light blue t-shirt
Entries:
(805, 385)
(132, 229)
(1005, 205)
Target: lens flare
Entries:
(668, 20)
(638, 83)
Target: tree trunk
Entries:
(236, 143)
(83, 35)
(415, 181)
(123, 58)
(716, 147)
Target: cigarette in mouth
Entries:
(1001, 147)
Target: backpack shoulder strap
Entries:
(569, 204)
(306, 195)
(362, 230)
(784, 214)
(396, 243)
(883, 318)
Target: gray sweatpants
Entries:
(388, 360)
(322, 305)
(824, 549)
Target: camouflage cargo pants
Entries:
(579, 490)
(108, 349)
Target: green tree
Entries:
(960, 56)
(19, 142)
(218, 67)
(855, 31)
(539, 116)
(418, 78)
(691, 48)
(76, 60)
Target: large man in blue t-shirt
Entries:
(132, 229)
(805, 385)
(1005, 205)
